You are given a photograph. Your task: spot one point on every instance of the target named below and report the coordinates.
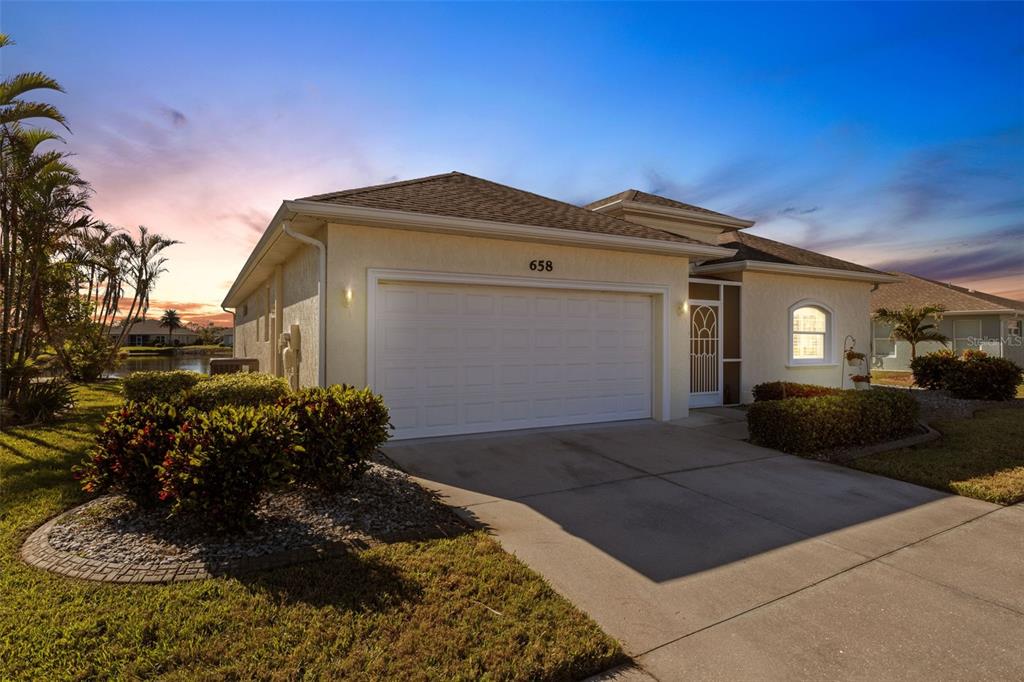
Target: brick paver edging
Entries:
(38, 552)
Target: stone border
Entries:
(928, 436)
(39, 553)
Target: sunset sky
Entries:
(892, 135)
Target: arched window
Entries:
(810, 334)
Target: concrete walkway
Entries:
(710, 558)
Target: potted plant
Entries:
(861, 382)
(854, 358)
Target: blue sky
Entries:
(891, 134)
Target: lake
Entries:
(164, 363)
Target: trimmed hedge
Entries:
(803, 426)
(224, 460)
(984, 378)
(782, 390)
(143, 386)
(930, 371)
(339, 428)
(973, 376)
(217, 462)
(245, 389)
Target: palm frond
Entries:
(15, 86)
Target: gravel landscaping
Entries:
(940, 405)
(383, 505)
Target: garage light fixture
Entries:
(683, 309)
(348, 296)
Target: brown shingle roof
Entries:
(464, 196)
(918, 291)
(751, 248)
(647, 198)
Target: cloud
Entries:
(176, 118)
(995, 254)
(793, 210)
(252, 218)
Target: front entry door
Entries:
(705, 354)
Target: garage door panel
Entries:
(447, 360)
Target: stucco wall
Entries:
(301, 306)
(765, 302)
(352, 250)
(264, 314)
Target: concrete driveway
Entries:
(710, 558)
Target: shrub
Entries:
(973, 354)
(781, 390)
(43, 401)
(240, 390)
(223, 461)
(143, 386)
(339, 428)
(981, 377)
(133, 441)
(807, 425)
(930, 371)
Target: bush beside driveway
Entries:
(441, 609)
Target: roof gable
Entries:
(639, 197)
(919, 291)
(752, 248)
(459, 195)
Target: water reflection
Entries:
(163, 363)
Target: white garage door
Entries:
(465, 359)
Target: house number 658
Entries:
(542, 265)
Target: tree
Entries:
(911, 324)
(171, 320)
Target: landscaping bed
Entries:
(448, 608)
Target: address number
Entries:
(542, 265)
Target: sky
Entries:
(887, 134)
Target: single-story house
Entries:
(473, 306)
(973, 319)
(150, 333)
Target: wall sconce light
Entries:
(348, 297)
(683, 308)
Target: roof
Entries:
(918, 291)
(464, 196)
(647, 198)
(752, 248)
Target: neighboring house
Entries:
(473, 306)
(227, 338)
(150, 333)
(973, 319)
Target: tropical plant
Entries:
(911, 324)
(172, 321)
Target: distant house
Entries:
(150, 333)
(973, 319)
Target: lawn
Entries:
(981, 457)
(906, 379)
(457, 608)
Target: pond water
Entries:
(164, 363)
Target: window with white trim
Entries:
(966, 335)
(884, 345)
(810, 334)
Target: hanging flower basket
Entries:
(854, 358)
(861, 382)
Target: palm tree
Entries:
(171, 320)
(910, 324)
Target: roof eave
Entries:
(800, 270)
(376, 217)
(270, 235)
(719, 220)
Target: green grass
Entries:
(457, 608)
(981, 457)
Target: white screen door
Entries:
(705, 354)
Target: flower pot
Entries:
(862, 385)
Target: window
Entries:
(1013, 328)
(810, 333)
(966, 335)
(884, 346)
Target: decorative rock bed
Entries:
(938, 405)
(111, 539)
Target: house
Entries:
(150, 333)
(973, 319)
(474, 306)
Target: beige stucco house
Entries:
(474, 306)
(973, 319)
